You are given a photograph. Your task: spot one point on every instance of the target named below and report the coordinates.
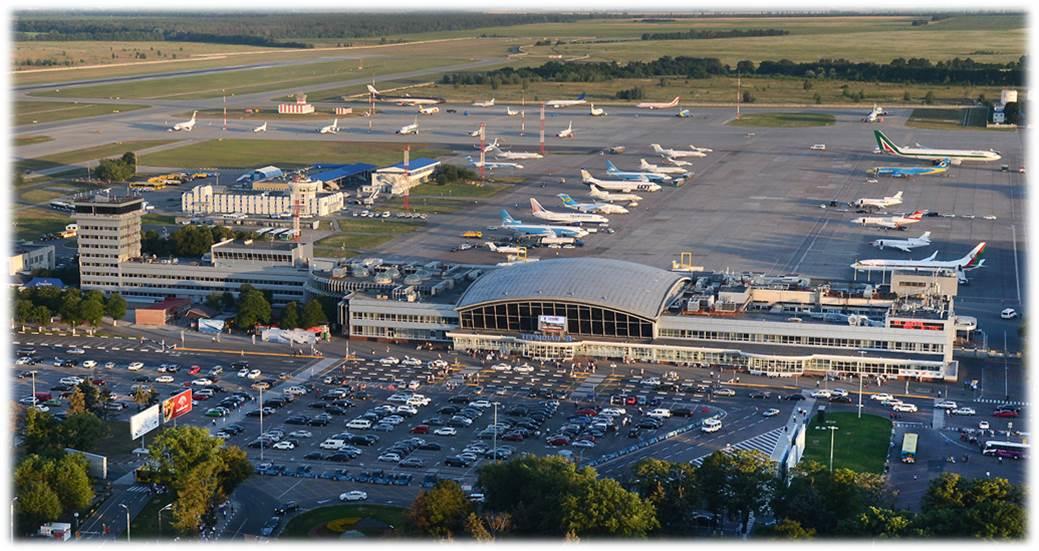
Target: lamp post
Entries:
(127, 509)
(261, 423)
(833, 430)
(166, 508)
(75, 525)
(495, 435)
(12, 516)
(863, 360)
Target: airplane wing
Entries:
(888, 225)
(932, 257)
(903, 248)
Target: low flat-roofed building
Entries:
(208, 199)
(397, 179)
(29, 256)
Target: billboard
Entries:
(176, 406)
(144, 422)
(97, 465)
(210, 326)
(552, 324)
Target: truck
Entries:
(472, 234)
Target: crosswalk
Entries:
(1001, 402)
(765, 443)
(137, 489)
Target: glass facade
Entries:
(581, 319)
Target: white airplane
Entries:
(565, 217)
(598, 112)
(676, 153)
(661, 169)
(905, 245)
(701, 149)
(475, 133)
(612, 170)
(542, 230)
(875, 114)
(929, 264)
(560, 103)
(428, 110)
(484, 103)
(489, 147)
(509, 112)
(492, 165)
(664, 105)
(403, 100)
(866, 203)
(186, 125)
(330, 129)
(597, 208)
(623, 186)
(567, 132)
(261, 128)
(890, 222)
(677, 162)
(957, 156)
(409, 128)
(611, 197)
(515, 155)
(504, 249)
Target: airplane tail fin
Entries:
(675, 101)
(491, 246)
(926, 236)
(586, 176)
(974, 256)
(595, 190)
(643, 164)
(930, 258)
(885, 144)
(657, 149)
(335, 123)
(506, 218)
(944, 163)
(372, 90)
(917, 215)
(535, 206)
(193, 113)
(581, 96)
(898, 196)
(567, 200)
(610, 167)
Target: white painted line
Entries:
(115, 348)
(85, 346)
(1017, 271)
(59, 345)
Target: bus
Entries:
(287, 234)
(1013, 450)
(63, 206)
(149, 185)
(265, 232)
(909, 448)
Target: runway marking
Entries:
(1017, 271)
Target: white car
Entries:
(414, 385)
(883, 396)
(70, 380)
(354, 495)
(946, 404)
(359, 424)
(983, 425)
(243, 372)
(724, 392)
(838, 392)
(254, 374)
(89, 364)
(905, 408)
(771, 412)
(408, 360)
(438, 364)
(164, 379)
(890, 402)
(392, 420)
(446, 431)
(389, 458)
(711, 425)
(651, 381)
(501, 367)
(525, 368)
(389, 361)
(583, 444)
(398, 398)
(301, 434)
(298, 390)
(662, 413)
(818, 147)
(417, 400)
(822, 393)
(407, 409)
(202, 382)
(284, 445)
(1007, 314)
(964, 411)
(76, 351)
(109, 365)
(29, 400)
(482, 404)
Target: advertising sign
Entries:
(210, 326)
(144, 422)
(176, 406)
(552, 324)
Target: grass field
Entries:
(784, 120)
(358, 235)
(145, 526)
(288, 153)
(434, 199)
(314, 524)
(158, 219)
(88, 52)
(31, 223)
(35, 112)
(949, 119)
(114, 149)
(860, 444)
(30, 140)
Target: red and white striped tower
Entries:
(542, 140)
(407, 176)
(483, 141)
(295, 218)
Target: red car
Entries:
(420, 429)
(1005, 413)
(586, 411)
(513, 437)
(195, 370)
(558, 441)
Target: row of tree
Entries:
(49, 488)
(450, 174)
(191, 241)
(119, 169)
(707, 34)
(39, 304)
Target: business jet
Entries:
(186, 126)
(565, 217)
(505, 249)
(597, 208)
(644, 165)
(488, 147)
(624, 186)
(261, 128)
(597, 112)
(701, 149)
(890, 222)
(676, 153)
(330, 129)
(509, 112)
(409, 128)
(491, 165)
(612, 170)
(875, 114)
(659, 105)
(597, 193)
(866, 203)
(967, 263)
(677, 162)
(515, 155)
(567, 132)
(403, 100)
(484, 103)
(905, 245)
(956, 156)
(561, 103)
(542, 230)
(429, 110)
(475, 133)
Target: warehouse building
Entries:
(397, 179)
(209, 199)
(28, 257)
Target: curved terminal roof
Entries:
(616, 284)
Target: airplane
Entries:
(509, 112)
(560, 103)
(330, 129)
(611, 197)
(677, 162)
(884, 203)
(890, 222)
(612, 170)
(956, 156)
(475, 133)
(513, 155)
(489, 147)
(484, 103)
(684, 114)
(661, 169)
(565, 217)
(663, 105)
(701, 149)
(598, 208)
(875, 114)
(428, 110)
(676, 153)
(623, 186)
(906, 245)
(261, 128)
(567, 132)
(929, 264)
(410, 128)
(186, 125)
(597, 112)
(403, 100)
(492, 165)
(504, 249)
(906, 171)
(543, 230)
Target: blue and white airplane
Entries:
(594, 207)
(612, 170)
(906, 171)
(544, 230)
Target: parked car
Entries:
(353, 495)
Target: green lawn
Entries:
(145, 526)
(29, 140)
(31, 223)
(34, 196)
(784, 120)
(361, 234)
(457, 190)
(949, 119)
(114, 149)
(159, 219)
(33, 112)
(288, 153)
(314, 524)
(859, 444)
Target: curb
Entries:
(243, 352)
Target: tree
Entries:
(740, 483)
(23, 310)
(442, 511)
(82, 430)
(1012, 112)
(748, 97)
(990, 508)
(143, 396)
(68, 478)
(788, 529)
(114, 170)
(906, 96)
(670, 488)
(253, 308)
(70, 311)
(215, 301)
(37, 504)
(290, 317)
(601, 507)
(831, 504)
(475, 528)
(313, 314)
(91, 311)
(77, 402)
(41, 315)
(745, 67)
(807, 84)
(129, 159)
(40, 433)
(929, 98)
(876, 522)
(49, 487)
(229, 300)
(115, 306)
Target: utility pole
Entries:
(863, 354)
(542, 139)
(833, 430)
(224, 92)
(523, 124)
(127, 509)
(261, 423)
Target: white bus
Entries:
(63, 206)
(265, 232)
(1013, 450)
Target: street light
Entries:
(261, 423)
(833, 430)
(12, 517)
(127, 521)
(863, 360)
(166, 508)
(495, 434)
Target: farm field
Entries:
(89, 52)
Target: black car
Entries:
(320, 420)
(339, 457)
(432, 446)
(448, 410)
(760, 395)
(270, 527)
(455, 461)
(794, 397)
(682, 411)
(317, 405)
(297, 420)
(364, 439)
(335, 410)
(460, 399)
(842, 399)
(314, 456)
(234, 428)
(634, 432)
(287, 507)
(362, 395)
